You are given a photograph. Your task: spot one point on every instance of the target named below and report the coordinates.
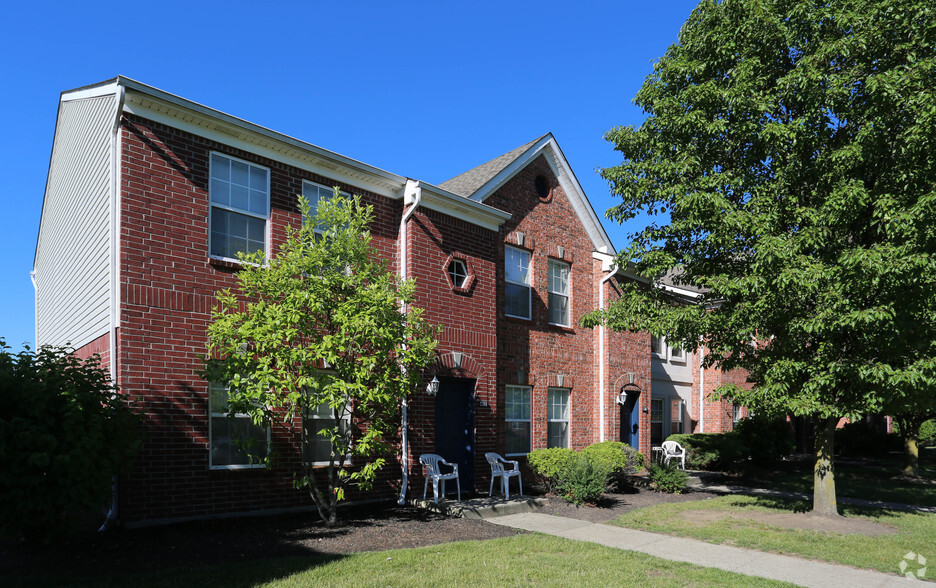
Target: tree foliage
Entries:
(64, 433)
(320, 324)
(789, 155)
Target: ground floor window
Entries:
(234, 440)
(518, 413)
(318, 446)
(676, 416)
(557, 425)
(656, 421)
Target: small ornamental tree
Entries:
(65, 432)
(788, 152)
(319, 329)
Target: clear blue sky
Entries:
(422, 89)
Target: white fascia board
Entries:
(105, 88)
(570, 185)
(178, 112)
(681, 292)
(482, 215)
(629, 272)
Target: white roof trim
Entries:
(548, 146)
(177, 112)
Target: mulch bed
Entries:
(369, 527)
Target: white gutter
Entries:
(32, 278)
(412, 195)
(114, 270)
(702, 388)
(601, 355)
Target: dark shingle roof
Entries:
(471, 181)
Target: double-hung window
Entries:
(559, 293)
(234, 440)
(318, 446)
(656, 421)
(676, 416)
(517, 410)
(517, 290)
(557, 425)
(315, 194)
(240, 206)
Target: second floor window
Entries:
(559, 293)
(240, 206)
(517, 291)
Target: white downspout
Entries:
(113, 276)
(601, 356)
(32, 278)
(412, 195)
(702, 388)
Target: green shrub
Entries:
(712, 451)
(584, 479)
(621, 458)
(669, 479)
(927, 433)
(548, 464)
(861, 439)
(64, 433)
(766, 438)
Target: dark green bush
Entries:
(927, 433)
(764, 437)
(620, 457)
(712, 451)
(64, 433)
(584, 479)
(669, 479)
(548, 465)
(862, 439)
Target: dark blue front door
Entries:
(454, 426)
(630, 419)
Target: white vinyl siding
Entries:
(72, 261)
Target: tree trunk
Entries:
(824, 503)
(911, 455)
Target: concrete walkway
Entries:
(733, 559)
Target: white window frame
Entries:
(528, 284)
(678, 417)
(453, 273)
(661, 420)
(553, 417)
(313, 416)
(212, 415)
(528, 403)
(676, 354)
(561, 295)
(234, 209)
(324, 193)
(660, 351)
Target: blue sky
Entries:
(422, 89)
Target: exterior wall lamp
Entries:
(432, 388)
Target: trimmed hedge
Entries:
(582, 476)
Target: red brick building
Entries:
(148, 197)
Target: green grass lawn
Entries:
(915, 532)
(521, 560)
(876, 480)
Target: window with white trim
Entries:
(234, 440)
(677, 354)
(559, 293)
(458, 273)
(676, 416)
(517, 290)
(315, 194)
(656, 421)
(240, 206)
(735, 413)
(656, 346)
(517, 414)
(318, 446)
(557, 418)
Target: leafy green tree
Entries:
(788, 159)
(64, 433)
(319, 329)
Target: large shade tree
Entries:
(788, 159)
(319, 341)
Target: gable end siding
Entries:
(73, 251)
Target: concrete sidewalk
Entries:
(733, 559)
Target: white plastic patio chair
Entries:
(673, 450)
(497, 469)
(431, 468)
